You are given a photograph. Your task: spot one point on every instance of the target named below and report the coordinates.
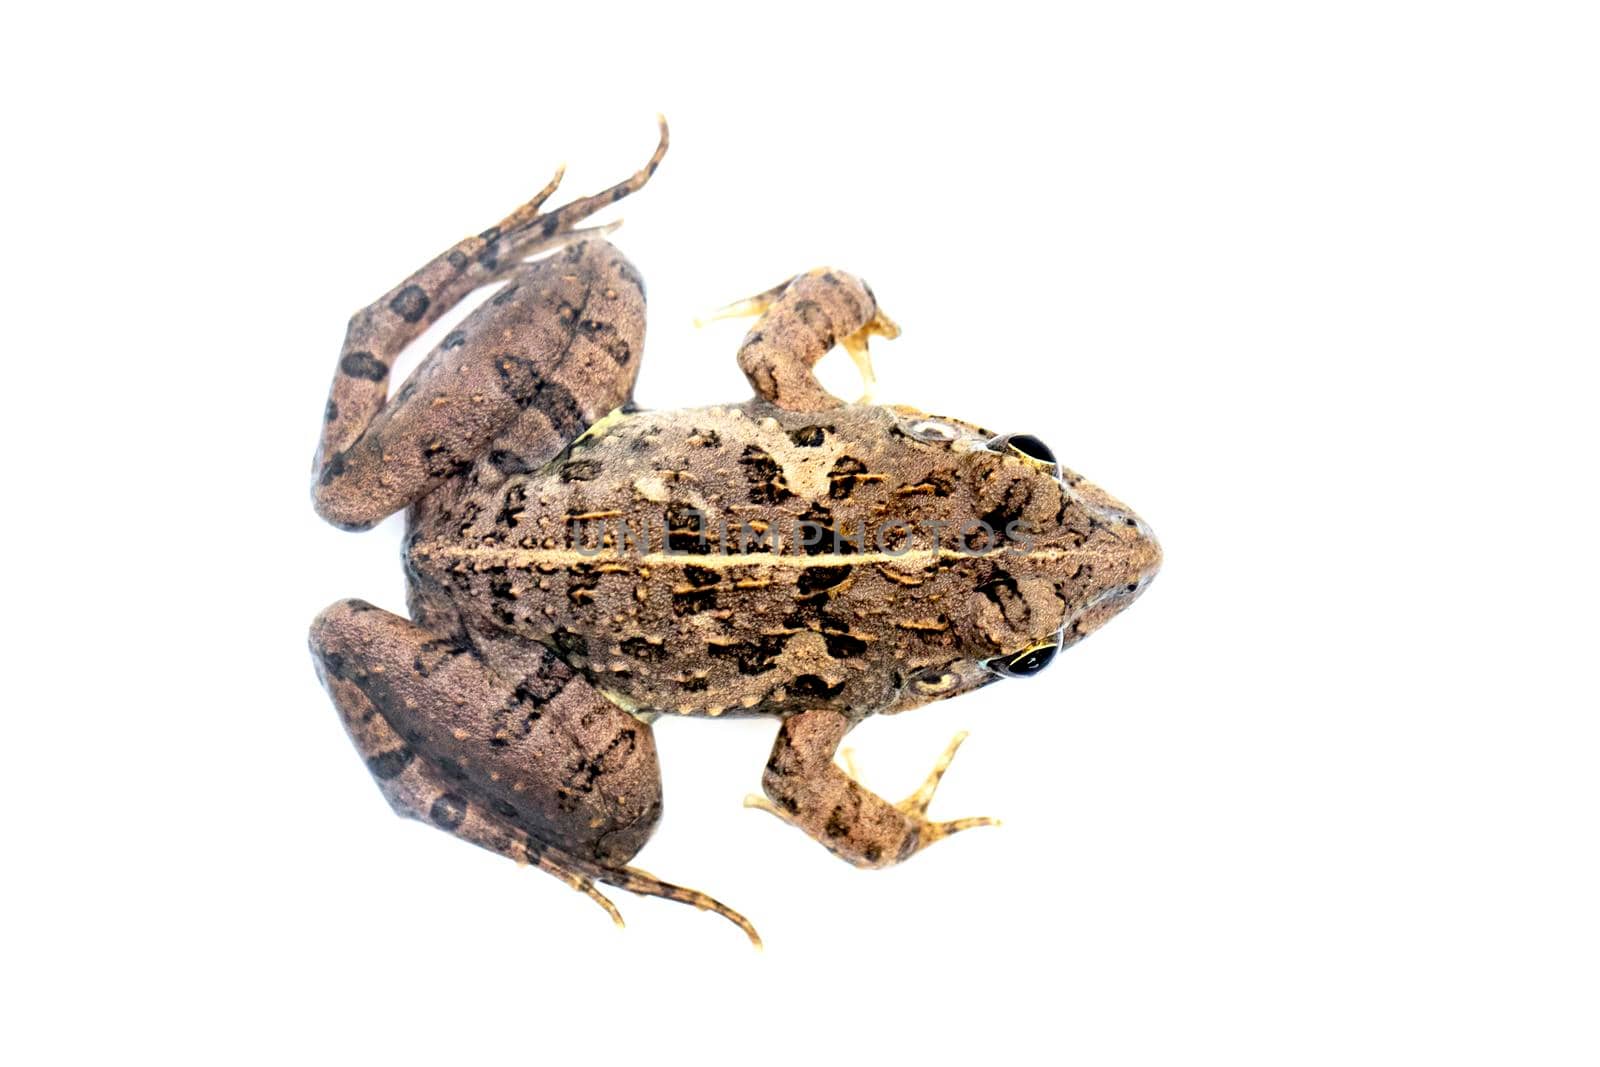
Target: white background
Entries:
(1311, 286)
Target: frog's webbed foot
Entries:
(851, 766)
(805, 788)
(749, 308)
(916, 805)
(800, 320)
(582, 876)
(856, 344)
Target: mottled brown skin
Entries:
(577, 567)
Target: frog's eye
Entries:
(1029, 661)
(1025, 444)
(933, 431)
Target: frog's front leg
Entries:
(538, 767)
(563, 336)
(806, 788)
(801, 320)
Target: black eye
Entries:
(1028, 445)
(1029, 661)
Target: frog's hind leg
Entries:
(540, 768)
(800, 321)
(377, 454)
(807, 789)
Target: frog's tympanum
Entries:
(578, 567)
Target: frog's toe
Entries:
(588, 889)
(748, 308)
(645, 884)
(583, 876)
(856, 344)
(851, 767)
(763, 804)
(916, 805)
(929, 832)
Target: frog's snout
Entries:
(1140, 559)
(1146, 552)
(1141, 554)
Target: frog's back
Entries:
(722, 560)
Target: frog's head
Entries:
(1066, 557)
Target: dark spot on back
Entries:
(693, 602)
(700, 577)
(755, 656)
(687, 531)
(644, 648)
(1009, 509)
(813, 686)
(816, 579)
(502, 601)
(582, 581)
(843, 645)
(765, 476)
(809, 436)
(1000, 589)
(844, 477)
(513, 505)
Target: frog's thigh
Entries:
(377, 453)
(585, 308)
(802, 321)
(491, 759)
(554, 350)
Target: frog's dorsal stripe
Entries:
(522, 558)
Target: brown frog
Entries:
(578, 567)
